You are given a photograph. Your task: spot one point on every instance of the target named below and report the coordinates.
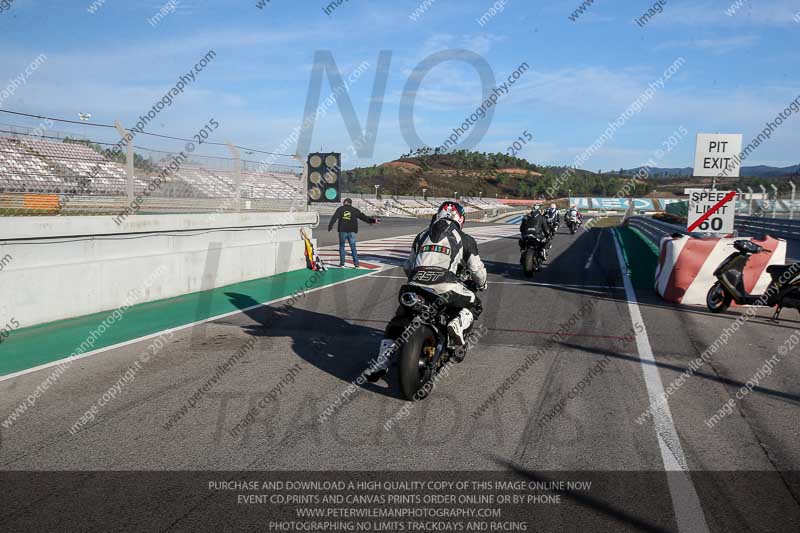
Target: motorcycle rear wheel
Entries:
(718, 300)
(414, 373)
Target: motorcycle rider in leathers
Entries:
(434, 265)
(535, 223)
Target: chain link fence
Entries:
(48, 172)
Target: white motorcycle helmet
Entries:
(451, 211)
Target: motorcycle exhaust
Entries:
(410, 299)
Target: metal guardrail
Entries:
(784, 228)
(656, 230)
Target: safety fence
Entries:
(102, 169)
(623, 204)
(750, 206)
(782, 228)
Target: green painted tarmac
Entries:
(45, 343)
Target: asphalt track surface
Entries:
(743, 470)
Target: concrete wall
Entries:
(62, 267)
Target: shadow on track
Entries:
(566, 265)
(680, 369)
(331, 344)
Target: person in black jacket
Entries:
(348, 217)
(535, 223)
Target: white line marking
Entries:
(688, 511)
(185, 326)
(594, 250)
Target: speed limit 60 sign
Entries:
(711, 211)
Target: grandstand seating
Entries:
(21, 170)
(35, 166)
(29, 165)
(73, 163)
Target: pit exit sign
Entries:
(716, 152)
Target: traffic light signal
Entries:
(324, 177)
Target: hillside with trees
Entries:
(499, 175)
(471, 173)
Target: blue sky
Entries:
(740, 71)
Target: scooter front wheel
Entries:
(718, 300)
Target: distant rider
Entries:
(552, 216)
(534, 223)
(574, 214)
(437, 257)
(553, 219)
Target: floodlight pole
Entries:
(237, 175)
(128, 160)
(84, 117)
(791, 207)
(304, 182)
(775, 201)
(738, 198)
(750, 209)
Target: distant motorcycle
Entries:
(783, 290)
(573, 221)
(420, 330)
(534, 253)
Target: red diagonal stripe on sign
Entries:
(728, 197)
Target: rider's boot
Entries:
(380, 366)
(457, 327)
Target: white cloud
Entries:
(706, 13)
(719, 45)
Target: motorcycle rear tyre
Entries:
(413, 376)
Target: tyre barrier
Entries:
(686, 266)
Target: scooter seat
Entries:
(777, 271)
